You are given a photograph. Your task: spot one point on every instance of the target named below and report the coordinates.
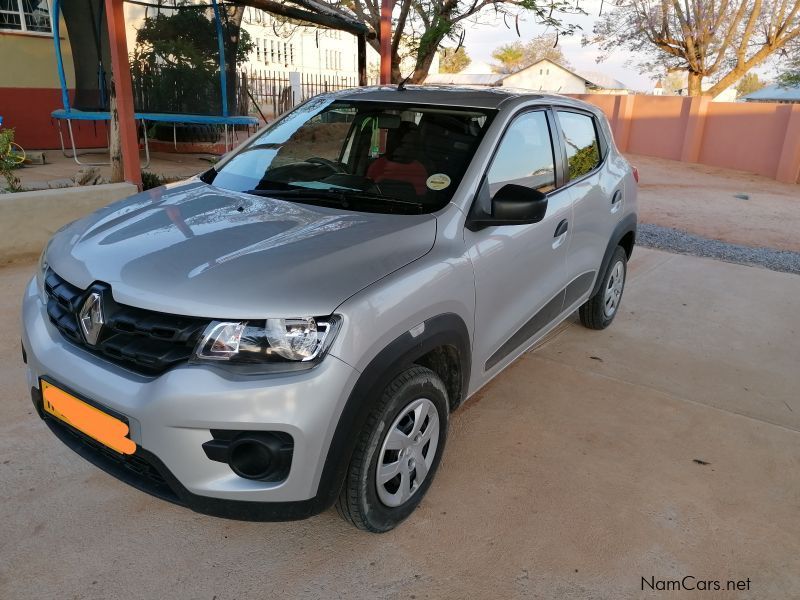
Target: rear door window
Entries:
(580, 139)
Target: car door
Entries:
(520, 270)
(597, 202)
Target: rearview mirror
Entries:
(512, 204)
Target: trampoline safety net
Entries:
(175, 61)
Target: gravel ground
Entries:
(676, 240)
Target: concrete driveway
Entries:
(663, 447)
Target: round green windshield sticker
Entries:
(438, 181)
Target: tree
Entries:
(790, 75)
(453, 60)
(175, 61)
(748, 84)
(422, 25)
(515, 56)
(790, 78)
(721, 39)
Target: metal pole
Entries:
(386, 41)
(223, 76)
(362, 59)
(121, 74)
(62, 78)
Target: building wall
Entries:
(548, 77)
(30, 91)
(309, 50)
(658, 126)
(758, 138)
(744, 136)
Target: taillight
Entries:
(635, 174)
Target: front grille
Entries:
(144, 341)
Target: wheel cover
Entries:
(407, 452)
(613, 293)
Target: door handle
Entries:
(561, 233)
(616, 201)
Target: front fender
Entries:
(442, 330)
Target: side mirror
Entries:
(512, 204)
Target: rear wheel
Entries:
(398, 452)
(599, 311)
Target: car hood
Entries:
(193, 249)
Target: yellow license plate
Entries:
(84, 417)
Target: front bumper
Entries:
(171, 416)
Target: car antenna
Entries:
(401, 87)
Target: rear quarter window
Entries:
(580, 139)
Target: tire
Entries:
(415, 400)
(599, 311)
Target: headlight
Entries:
(41, 273)
(272, 340)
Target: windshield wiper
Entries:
(344, 196)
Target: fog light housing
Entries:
(257, 455)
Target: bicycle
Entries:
(12, 154)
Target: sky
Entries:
(482, 39)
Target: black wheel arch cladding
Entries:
(627, 226)
(445, 330)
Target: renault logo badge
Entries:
(91, 318)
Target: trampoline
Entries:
(210, 104)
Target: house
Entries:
(284, 47)
(29, 79)
(29, 86)
(789, 94)
(658, 89)
(544, 75)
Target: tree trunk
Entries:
(397, 76)
(423, 66)
(115, 143)
(695, 84)
(739, 71)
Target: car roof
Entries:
(448, 95)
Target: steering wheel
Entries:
(333, 164)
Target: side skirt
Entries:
(550, 313)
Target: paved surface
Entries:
(174, 166)
(703, 200)
(571, 476)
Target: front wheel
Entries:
(398, 452)
(600, 309)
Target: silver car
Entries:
(292, 329)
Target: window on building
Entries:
(580, 138)
(525, 155)
(272, 50)
(25, 15)
(285, 53)
(279, 52)
(258, 49)
(291, 54)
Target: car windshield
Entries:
(368, 156)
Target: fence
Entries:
(274, 92)
(762, 138)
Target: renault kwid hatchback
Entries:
(293, 328)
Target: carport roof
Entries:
(775, 93)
